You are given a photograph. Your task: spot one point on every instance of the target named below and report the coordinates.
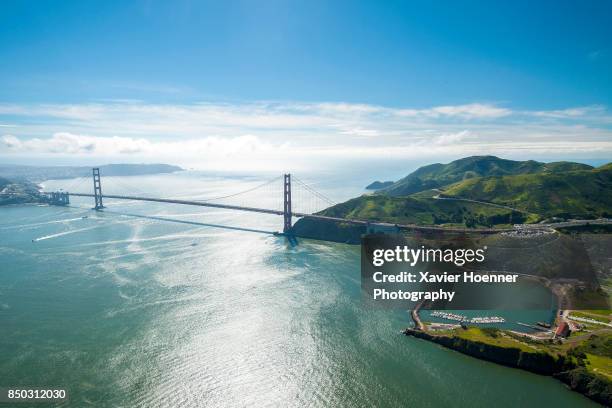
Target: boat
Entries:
(465, 319)
(544, 324)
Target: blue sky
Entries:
(326, 75)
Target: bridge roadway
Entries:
(412, 227)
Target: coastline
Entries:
(563, 368)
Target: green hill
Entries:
(568, 194)
(425, 211)
(483, 191)
(438, 175)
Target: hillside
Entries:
(480, 191)
(570, 194)
(424, 210)
(21, 192)
(42, 173)
(377, 185)
(438, 175)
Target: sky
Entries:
(277, 84)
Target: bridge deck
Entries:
(295, 214)
(412, 227)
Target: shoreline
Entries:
(560, 367)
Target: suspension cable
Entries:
(315, 192)
(241, 192)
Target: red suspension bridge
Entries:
(309, 204)
(304, 193)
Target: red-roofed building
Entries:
(563, 330)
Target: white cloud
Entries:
(266, 132)
(70, 144)
(471, 111)
(451, 138)
(359, 131)
(572, 113)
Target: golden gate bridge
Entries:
(299, 200)
(287, 208)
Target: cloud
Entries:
(358, 131)
(268, 132)
(571, 113)
(471, 111)
(71, 144)
(451, 138)
(12, 142)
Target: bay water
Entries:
(157, 305)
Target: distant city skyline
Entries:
(273, 83)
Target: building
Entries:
(563, 330)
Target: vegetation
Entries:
(439, 175)
(486, 191)
(592, 385)
(493, 336)
(377, 185)
(604, 312)
(600, 345)
(571, 194)
(599, 365)
(420, 210)
(585, 366)
(599, 315)
(593, 354)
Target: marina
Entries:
(465, 319)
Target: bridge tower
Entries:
(287, 215)
(97, 188)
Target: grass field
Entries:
(600, 365)
(490, 337)
(599, 315)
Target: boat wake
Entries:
(61, 234)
